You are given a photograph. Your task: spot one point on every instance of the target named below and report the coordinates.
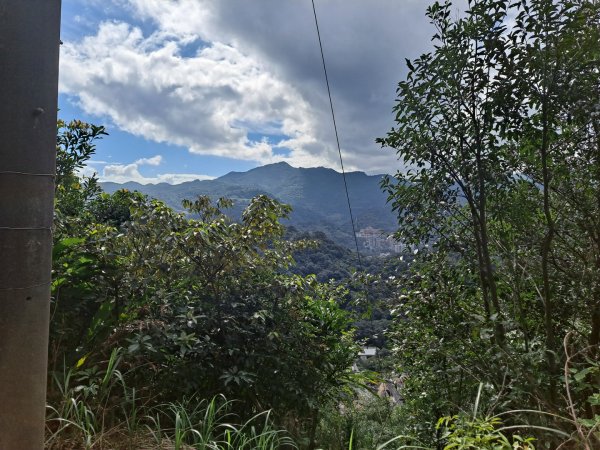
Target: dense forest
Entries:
(194, 330)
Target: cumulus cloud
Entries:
(211, 75)
(122, 173)
(365, 45)
(208, 102)
(154, 161)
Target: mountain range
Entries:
(317, 196)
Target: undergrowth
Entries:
(94, 408)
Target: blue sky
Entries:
(197, 88)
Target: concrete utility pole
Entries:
(29, 47)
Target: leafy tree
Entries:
(498, 131)
(222, 319)
(75, 144)
(204, 305)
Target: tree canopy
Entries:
(498, 131)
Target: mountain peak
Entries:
(268, 170)
(317, 196)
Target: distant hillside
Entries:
(316, 195)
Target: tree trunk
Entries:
(313, 430)
(29, 47)
(550, 338)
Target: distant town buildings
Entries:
(365, 354)
(373, 240)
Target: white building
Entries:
(378, 241)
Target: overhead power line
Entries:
(337, 139)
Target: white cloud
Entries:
(122, 173)
(119, 172)
(212, 72)
(183, 18)
(154, 161)
(208, 102)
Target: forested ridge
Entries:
(201, 329)
(302, 188)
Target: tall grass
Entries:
(373, 424)
(95, 409)
(209, 424)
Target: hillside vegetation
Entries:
(316, 195)
(192, 327)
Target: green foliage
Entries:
(201, 300)
(202, 304)
(362, 423)
(466, 433)
(370, 422)
(322, 257)
(498, 202)
(74, 147)
(498, 132)
(328, 261)
(97, 409)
